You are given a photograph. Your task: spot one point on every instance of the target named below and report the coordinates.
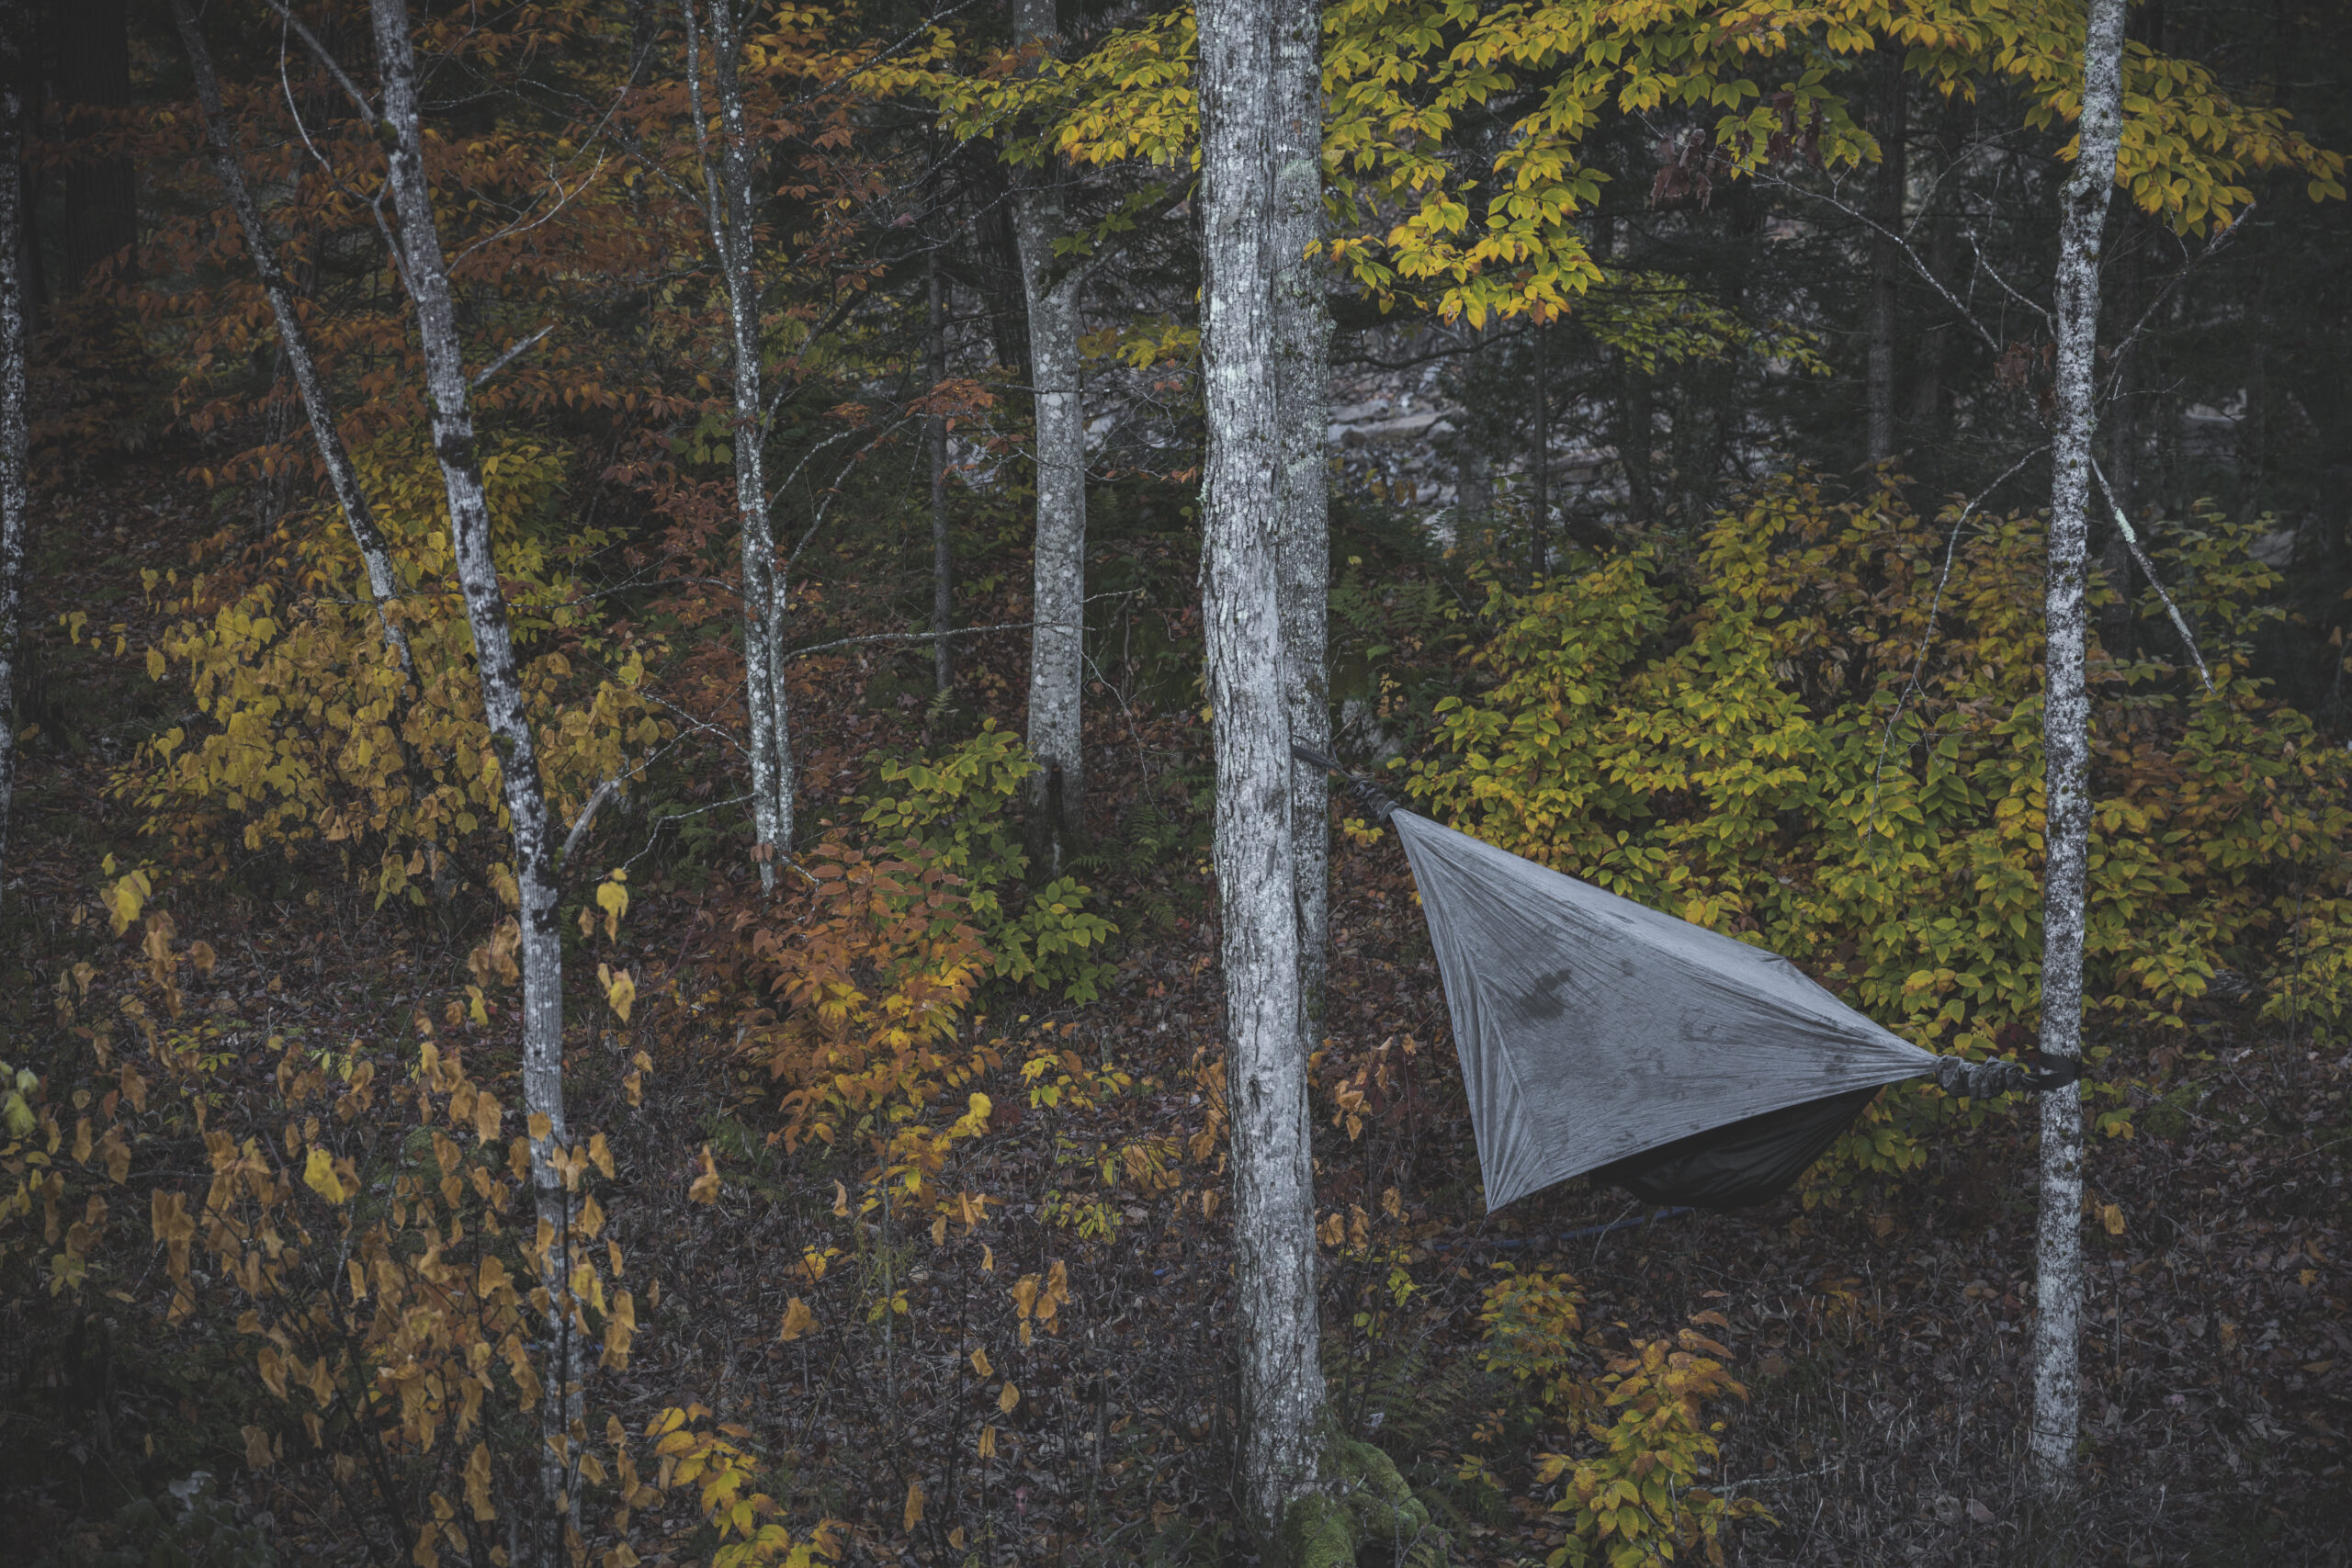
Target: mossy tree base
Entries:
(1362, 1503)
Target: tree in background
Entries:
(15, 27)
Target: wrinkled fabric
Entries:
(1592, 1029)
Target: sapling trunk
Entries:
(2065, 738)
(15, 25)
(1058, 592)
(727, 180)
(294, 341)
(424, 272)
(942, 560)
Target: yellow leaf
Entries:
(1008, 1398)
(797, 1320)
(318, 1175)
(980, 1362)
(257, 1453)
(988, 1442)
(622, 993)
(2111, 1216)
(613, 899)
(706, 1186)
(913, 1513)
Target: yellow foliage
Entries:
(313, 736)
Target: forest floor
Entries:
(1881, 1336)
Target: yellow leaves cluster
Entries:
(1770, 770)
(312, 732)
(710, 1459)
(875, 979)
(1641, 1497)
(1400, 76)
(1036, 1300)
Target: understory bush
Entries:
(1820, 730)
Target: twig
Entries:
(2138, 555)
(503, 360)
(1927, 635)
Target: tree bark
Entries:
(424, 272)
(1058, 594)
(343, 478)
(2066, 738)
(727, 212)
(942, 560)
(94, 73)
(14, 26)
(1242, 612)
(1302, 336)
(1886, 254)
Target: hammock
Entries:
(1600, 1038)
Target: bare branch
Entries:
(2132, 539)
(511, 354)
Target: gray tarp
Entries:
(1592, 1028)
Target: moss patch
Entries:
(1362, 1503)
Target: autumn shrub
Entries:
(313, 735)
(871, 974)
(955, 806)
(1802, 734)
(1633, 1490)
(345, 1226)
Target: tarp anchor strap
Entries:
(1361, 791)
(1984, 1080)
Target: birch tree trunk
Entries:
(727, 211)
(943, 561)
(1886, 256)
(1302, 342)
(16, 27)
(383, 584)
(424, 272)
(1241, 614)
(2065, 738)
(1058, 594)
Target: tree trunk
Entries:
(1640, 418)
(1242, 613)
(94, 73)
(425, 271)
(1301, 342)
(727, 211)
(383, 583)
(1538, 520)
(942, 560)
(2065, 732)
(1886, 254)
(1057, 596)
(14, 25)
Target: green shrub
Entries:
(955, 806)
(1771, 739)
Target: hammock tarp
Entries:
(1600, 1037)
